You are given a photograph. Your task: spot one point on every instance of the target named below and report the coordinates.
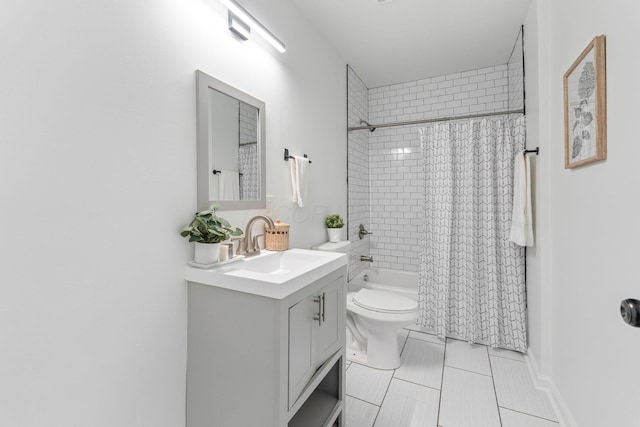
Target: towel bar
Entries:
(287, 156)
(215, 172)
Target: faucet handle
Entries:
(363, 232)
(240, 241)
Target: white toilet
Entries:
(373, 319)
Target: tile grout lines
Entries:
(414, 383)
(467, 370)
(495, 393)
(440, 391)
(365, 401)
(444, 357)
(530, 415)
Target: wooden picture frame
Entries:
(585, 107)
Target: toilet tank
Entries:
(341, 247)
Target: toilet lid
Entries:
(384, 302)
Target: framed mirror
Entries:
(231, 143)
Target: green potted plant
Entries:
(334, 227)
(207, 230)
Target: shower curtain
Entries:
(471, 276)
(248, 167)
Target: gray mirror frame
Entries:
(204, 82)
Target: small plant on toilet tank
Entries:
(334, 224)
(207, 230)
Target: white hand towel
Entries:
(521, 223)
(229, 185)
(293, 177)
(299, 174)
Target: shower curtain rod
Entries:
(439, 119)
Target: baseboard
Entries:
(545, 384)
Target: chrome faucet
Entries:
(248, 242)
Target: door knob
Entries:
(630, 312)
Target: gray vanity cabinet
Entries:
(260, 361)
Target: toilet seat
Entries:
(383, 302)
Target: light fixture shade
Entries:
(244, 16)
(239, 27)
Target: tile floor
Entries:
(446, 384)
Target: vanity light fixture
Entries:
(239, 27)
(241, 22)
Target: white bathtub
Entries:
(401, 282)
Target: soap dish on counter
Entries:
(216, 264)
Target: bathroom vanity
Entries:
(266, 341)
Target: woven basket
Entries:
(278, 239)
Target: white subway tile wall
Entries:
(358, 171)
(515, 75)
(248, 153)
(395, 169)
(248, 124)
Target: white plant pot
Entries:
(335, 234)
(207, 253)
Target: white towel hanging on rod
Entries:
(299, 173)
(521, 219)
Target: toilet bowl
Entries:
(373, 321)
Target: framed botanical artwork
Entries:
(585, 107)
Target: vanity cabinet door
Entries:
(329, 333)
(301, 346)
(316, 332)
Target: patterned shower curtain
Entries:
(248, 168)
(472, 283)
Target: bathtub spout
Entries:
(366, 258)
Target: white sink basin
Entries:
(271, 274)
(278, 263)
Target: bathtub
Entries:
(396, 281)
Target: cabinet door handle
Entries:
(323, 298)
(320, 316)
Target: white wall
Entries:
(538, 308)
(589, 220)
(97, 175)
(515, 74)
